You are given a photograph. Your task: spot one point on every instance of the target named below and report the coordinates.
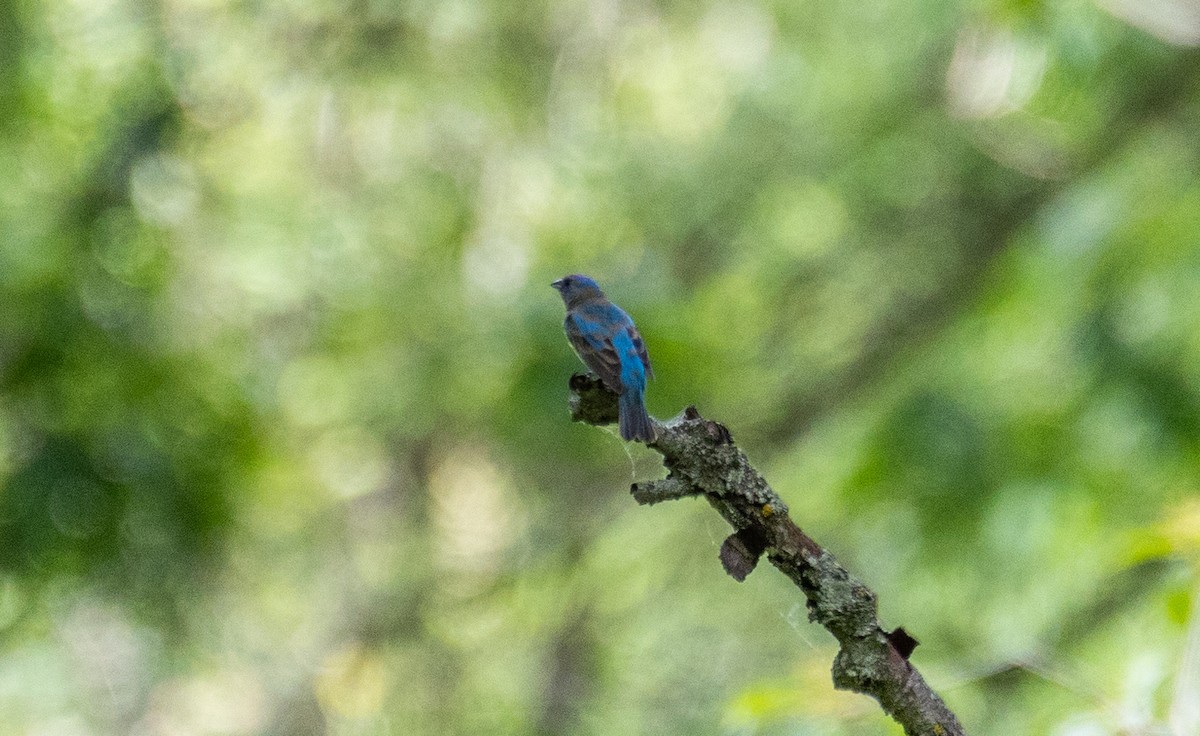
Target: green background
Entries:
(284, 446)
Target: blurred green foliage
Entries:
(283, 438)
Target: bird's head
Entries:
(577, 288)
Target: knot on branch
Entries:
(715, 432)
(740, 552)
(903, 642)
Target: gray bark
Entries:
(702, 460)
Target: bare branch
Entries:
(702, 460)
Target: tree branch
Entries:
(703, 461)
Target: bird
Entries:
(606, 340)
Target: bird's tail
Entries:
(635, 423)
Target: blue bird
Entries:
(607, 342)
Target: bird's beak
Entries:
(557, 284)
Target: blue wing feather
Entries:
(594, 347)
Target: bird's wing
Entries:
(592, 341)
(640, 346)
